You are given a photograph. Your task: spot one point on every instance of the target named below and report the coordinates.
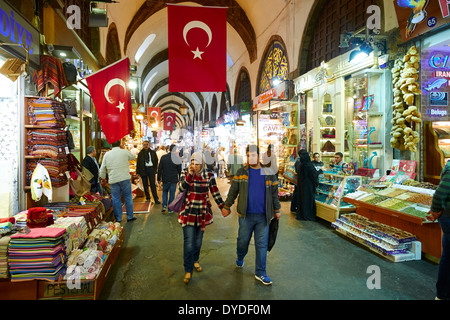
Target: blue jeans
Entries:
(118, 189)
(168, 188)
(257, 223)
(443, 283)
(193, 237)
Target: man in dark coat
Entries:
(146, 168)
(169, 174)
(90, 163)
(307, 182)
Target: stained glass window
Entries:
(275, 68)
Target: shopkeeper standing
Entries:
(90, 163)
(146, 168)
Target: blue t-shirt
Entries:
(256, 202)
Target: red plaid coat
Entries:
(196, 210)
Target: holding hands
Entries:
(225, 212)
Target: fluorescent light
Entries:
(147, 42)
(63, 54)
(132, 84)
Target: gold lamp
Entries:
(183, 109)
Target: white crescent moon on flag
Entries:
(154, 112)
(200, 25)
(111, 83)
(171, 119)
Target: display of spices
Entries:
(421, 198)
(416, 212)
(374, 199)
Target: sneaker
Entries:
(240, 263)
(163, 210)
(157, 202)
(264, 279)
(132, 219)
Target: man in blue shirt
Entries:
(257, 205)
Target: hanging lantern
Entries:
(183, 109)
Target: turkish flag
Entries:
(169, 120)
(155, 113)
(112, 99)
(197, 48)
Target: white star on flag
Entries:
(121, 106)
(198, 54)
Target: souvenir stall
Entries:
(435, 79)
(346, 107)
(19, 56)
(277, 124)
(58, 216)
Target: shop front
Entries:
(19, 57)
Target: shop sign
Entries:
(59, 290)
(270, 128)
(419, 17)
(435, 84)
(17, 30)
(278, 92)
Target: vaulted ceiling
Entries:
(138, 29)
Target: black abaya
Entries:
(308, 180)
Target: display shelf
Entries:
(366, 95)
(374, 237)
(330, 192)
(411, 217)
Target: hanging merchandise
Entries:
(51, 72)
(41, 184)
(406, 116)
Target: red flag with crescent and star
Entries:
(169, 120)
(112, 99)
(197, 48)
(154, 112)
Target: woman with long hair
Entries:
(196, 212)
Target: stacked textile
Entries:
(93, 212)
(4, 241)
(55, 168)
(104, 236)
(48, 143)
(46, 112)
(84, 264)
(38, 254)
(76, 231)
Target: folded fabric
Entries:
(40, 233)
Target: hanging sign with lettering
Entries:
(435, 84)
(14, 29)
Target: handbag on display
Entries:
(290, 174)
(177, 204)
(81, 185)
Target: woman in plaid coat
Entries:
(196, 212)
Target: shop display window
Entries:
(366, 98)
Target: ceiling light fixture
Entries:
(358, 55)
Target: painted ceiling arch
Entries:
(236, 17)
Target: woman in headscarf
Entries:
(307, 182)
(196, 212)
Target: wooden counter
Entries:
(428, 233)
